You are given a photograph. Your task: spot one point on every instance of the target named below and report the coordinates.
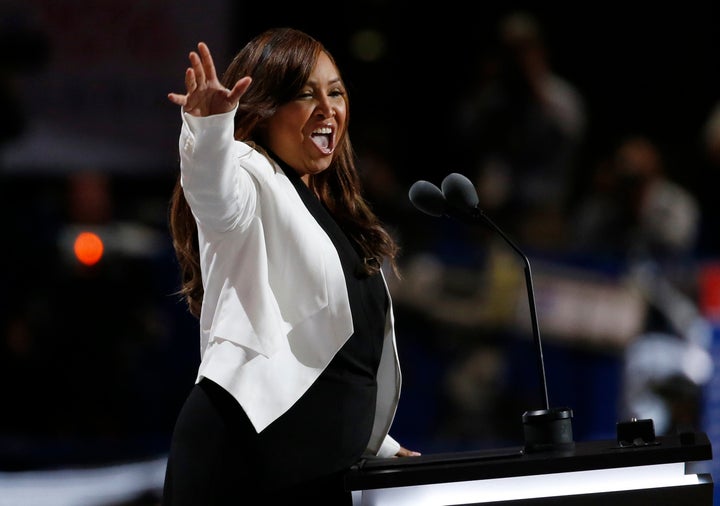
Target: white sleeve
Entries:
(388, 448)
(221, 194)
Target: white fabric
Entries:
(276, 308)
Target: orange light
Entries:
(88, 248)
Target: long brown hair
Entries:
(280, 60)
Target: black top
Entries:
(328, 428)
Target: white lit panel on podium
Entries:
(587, 474)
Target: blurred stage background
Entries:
(96, 359)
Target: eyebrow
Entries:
(336, 80)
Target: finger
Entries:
(404, 452)
(177, 98)
(239, 89)
(197, 67)
(190, 80)
(207, 60)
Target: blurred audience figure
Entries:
(708, 184)
(647, 224)
(634, 210)
(711, 136)
(521, 130)
(20, 30)
(98, 347)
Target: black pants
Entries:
(215, 460)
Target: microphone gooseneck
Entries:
(460, 193)
(545, 429)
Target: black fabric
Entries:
(217, 458)
(346, 390)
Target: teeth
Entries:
(323, 130)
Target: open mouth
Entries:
(324, 139)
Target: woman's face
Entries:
(305, 131)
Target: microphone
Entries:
(545, 428)
(428, 198)
(460, 192)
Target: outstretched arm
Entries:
(205, 95)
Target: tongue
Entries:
(321, 141)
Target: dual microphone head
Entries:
(456, 197)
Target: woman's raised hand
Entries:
(205, 94)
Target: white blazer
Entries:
(276, 308)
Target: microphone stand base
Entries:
(548, 429)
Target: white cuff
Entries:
(388, 448)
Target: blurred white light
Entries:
(100, 486)
(525, 487)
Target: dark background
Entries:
(638, 67)
(96, 361)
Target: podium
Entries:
(593, 473)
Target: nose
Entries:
(325, 108)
